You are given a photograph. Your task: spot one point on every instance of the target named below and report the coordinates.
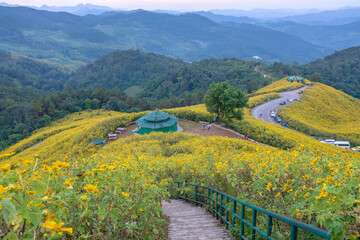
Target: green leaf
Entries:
(8, 210)
(38, 187)
(11, 236)
(35, 218)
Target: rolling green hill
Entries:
(20, 71)
(157, 76)
(64, 36)
(123, 69)
(340, 70)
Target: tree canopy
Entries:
(225, 101)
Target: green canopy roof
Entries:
(157, 120)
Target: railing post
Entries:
(186, 195)
(209, 197)
(227, 211)
(221, 208)
(294, 231)
(178, 192)
(217, 205)
(269, 227)
(242, 220)
(234, 212)
(253, 224)
(196, 195)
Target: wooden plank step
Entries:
(188, 221)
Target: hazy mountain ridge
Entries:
(188, 36)
(329, 17)
(337, 37)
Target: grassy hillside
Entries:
(279, 86)
(325, 112)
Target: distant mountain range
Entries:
(81, 34)
(332, 17)
(80, 9)
(335, 37)
(68, 38)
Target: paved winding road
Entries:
(265, 108)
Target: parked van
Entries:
(342, 144)
(329, 141)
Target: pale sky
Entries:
(197, 4)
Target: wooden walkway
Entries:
(188, 221)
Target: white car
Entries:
(272, 114)
(291, 100)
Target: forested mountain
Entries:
(63, 37)
(19, 71)
(340, 70)
(198, 76)
(157, 76)
(123, 69)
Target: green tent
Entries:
(157, 122)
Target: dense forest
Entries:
(156, 76)
(20, 71)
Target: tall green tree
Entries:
(224, 101)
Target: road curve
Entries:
(265, 108)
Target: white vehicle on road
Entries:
(272, 113)
(291, 100)
(342, 144)
(329, 141)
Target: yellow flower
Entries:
(125, 194)
(268, 187)
(5, 167)
(84, 198)
(3, 189)
(46, 198)
(56, 227)
(277, 195)
(91, 188)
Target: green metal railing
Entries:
(227, 207)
